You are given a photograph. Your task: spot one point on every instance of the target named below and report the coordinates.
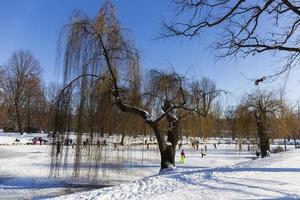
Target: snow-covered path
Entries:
(276, 177)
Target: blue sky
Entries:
(35, 25)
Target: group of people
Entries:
(182, 155)
(195, 145)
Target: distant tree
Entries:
(34, 104)
(198, 122)
(293, 124)
(203, 94)
(231, 118)
(218, 118)
(50, 93)
(283, 113)
(22, 68)
(263, 103)
(244, 121)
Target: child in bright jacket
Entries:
(182, 157)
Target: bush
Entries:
(277, 149)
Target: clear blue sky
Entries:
(35, 24)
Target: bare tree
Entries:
(243, 27)
(203, 93)
(20, 69)
(263, 103)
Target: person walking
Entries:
(202, 153)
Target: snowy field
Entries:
(226, 172)
(276, 177)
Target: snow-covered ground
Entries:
(17, 139)
(226, 172)
(276, 177)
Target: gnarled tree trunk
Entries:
(167, 148)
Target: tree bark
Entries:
(167, 157)
(167, 148)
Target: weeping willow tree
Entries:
(101, 69)
(102, 79)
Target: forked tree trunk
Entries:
(263, 135)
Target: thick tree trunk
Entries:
(263, 135)
(167, 157)
(167, 148)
